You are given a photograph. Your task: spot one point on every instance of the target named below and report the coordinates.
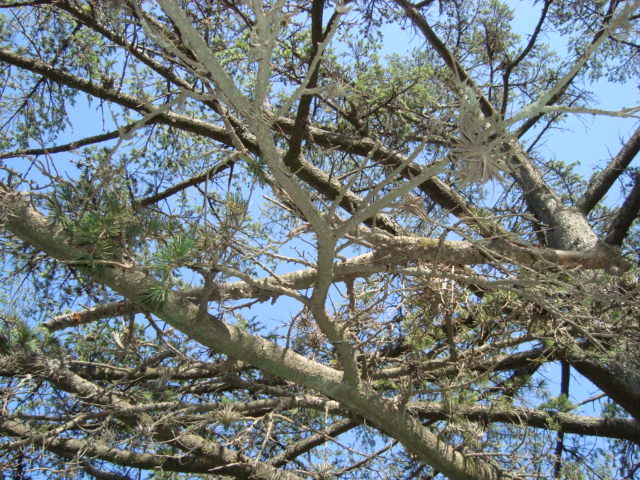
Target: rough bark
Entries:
(620, 383)
(390, 252)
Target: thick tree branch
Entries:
(568, 228)
(621, 428)
(626, 216)
(435, 188)
(389, 252)
(70, 448)
(620, 383)
(601, 182)
(25, 222)
(299, 130)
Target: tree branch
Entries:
(72, 145)
(601, 182)
(221, 459)
(525, 51)
(434, 187)
(618, 382)
(626, 216)
(568, 228)
(28, 224)
(529, 123)
(296, 449)
(621, 428)
(70, 448)
(389, 252)
(195, 180)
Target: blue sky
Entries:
(592, 141)
(589, 140)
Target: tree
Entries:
(268, 251)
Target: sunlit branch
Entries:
(70, 448)
(390, 252)
(25, 222)
(203, 53)
(439, 191)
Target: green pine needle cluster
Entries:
(170, 256)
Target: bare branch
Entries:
(70, 146)
(389, 252)
(190, 182)
(602, 181)
(626, 216)
(622, 428)
(311, 442)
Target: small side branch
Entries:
(311, 442)
(67, 147)
(195, 180)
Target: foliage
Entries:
(315, 240)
